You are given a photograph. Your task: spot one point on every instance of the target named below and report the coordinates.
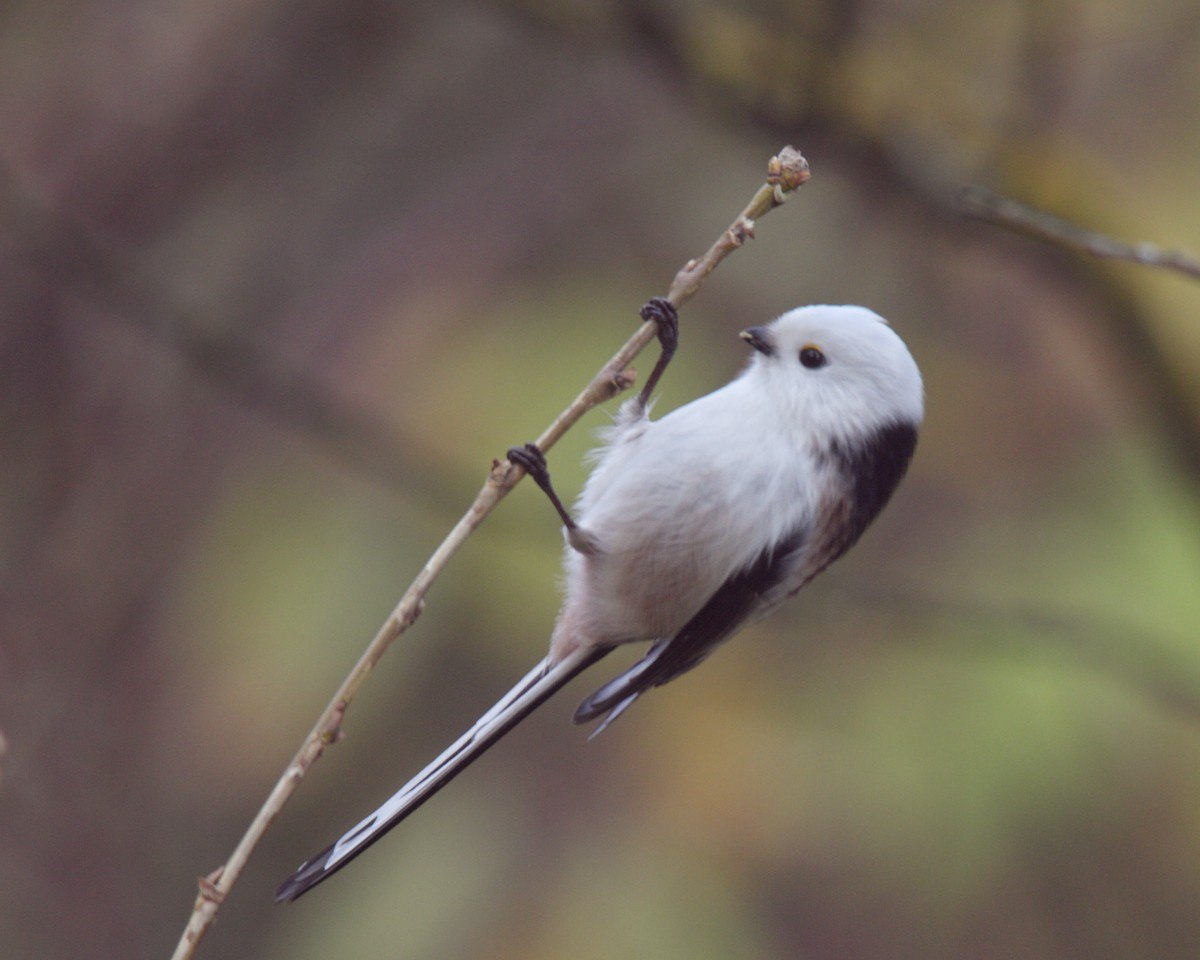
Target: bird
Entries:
(691, 526)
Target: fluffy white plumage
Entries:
(680, 504)
(695, 524)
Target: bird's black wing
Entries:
(870, 470)
(724, 612)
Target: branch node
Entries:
(624, 380)
(333, 733)
(208, 887)
(408, 614)
(503, 473)
(787, 171)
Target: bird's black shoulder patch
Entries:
(871, 469)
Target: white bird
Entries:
(691, 526)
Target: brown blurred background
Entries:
(278, 280)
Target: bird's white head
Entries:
(841, 370)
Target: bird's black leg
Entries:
(662, 312)
(533, 461)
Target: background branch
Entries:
(1165, 385)
(982, 204)
(219, 349)
(392, 211)
(786, 172)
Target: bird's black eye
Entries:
(812, 357)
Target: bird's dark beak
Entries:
(760, 339)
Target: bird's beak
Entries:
(760, 339)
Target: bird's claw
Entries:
(530, 459)
(666, 318)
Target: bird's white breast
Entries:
(679, 505)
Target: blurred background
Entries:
(279, 279)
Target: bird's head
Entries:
(840, 369)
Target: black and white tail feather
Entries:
(694, 525)
(530, 692)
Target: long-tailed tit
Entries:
(696, 524)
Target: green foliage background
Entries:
(278, 280)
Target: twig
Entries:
(785, 173)
(985, 205)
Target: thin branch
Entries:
(991, 207)
(785, 173)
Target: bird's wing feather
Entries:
(869, 474)
(728, 608)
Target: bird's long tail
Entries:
(533, 690)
